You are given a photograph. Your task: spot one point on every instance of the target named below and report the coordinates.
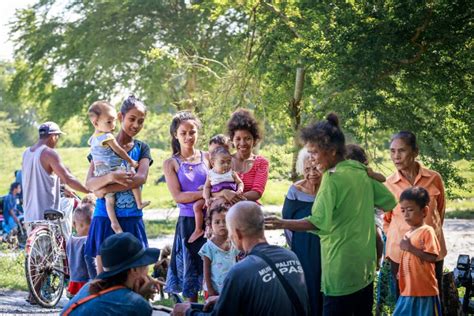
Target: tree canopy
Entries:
(383, 66)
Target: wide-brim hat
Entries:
(124, 251)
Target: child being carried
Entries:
(107, 155)
(220, 177)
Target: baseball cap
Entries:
(49, 128)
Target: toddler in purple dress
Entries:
(220, 177)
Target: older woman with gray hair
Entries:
(298, 203)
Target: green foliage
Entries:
(383, 66)
(7, 127)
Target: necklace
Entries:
(189, 159)
(243, 165)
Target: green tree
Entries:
(90, 50)
(383, 66)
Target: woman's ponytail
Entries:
(175, 147)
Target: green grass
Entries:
(12, 273)
(461, 214)
(156, 228)
(158, 194)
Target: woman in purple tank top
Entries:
(185, 174)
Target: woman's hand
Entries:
(146, 286)
(273, 222)
(121, 177)
(100, 193)
(232, 197)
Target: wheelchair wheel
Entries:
(44, 269)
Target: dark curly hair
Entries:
(417, 194)
(179, 118)
(357, 153)
(221, 150)
(221, 140)
(220, 208)
(98, 285)
(326, 134)
(243, 119)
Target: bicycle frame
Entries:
(52, 228)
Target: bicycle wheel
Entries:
(44, 270)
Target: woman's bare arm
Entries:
(252, 195)
(296, 225)
(137, 179)
(169, 169)
(95, 183)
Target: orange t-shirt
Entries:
(417, 277)
(395, 226)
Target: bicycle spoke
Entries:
(45, 267)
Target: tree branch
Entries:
(283, 17)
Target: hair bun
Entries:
(333, 119)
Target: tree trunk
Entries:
(190, 88)
(294, 107)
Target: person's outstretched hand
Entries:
(273, 222)
(146, 286)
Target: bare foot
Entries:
(196, 234)
(116, 228)
(144, 204)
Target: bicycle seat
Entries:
(53, 215)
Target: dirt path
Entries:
(13, 303)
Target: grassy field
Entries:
(74, 159)
(12, 272)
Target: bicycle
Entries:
(46, 265)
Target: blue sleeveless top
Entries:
(125, 205)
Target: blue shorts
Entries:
(418, 305)
(8, 225)
(100, 229)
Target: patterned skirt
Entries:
(185, 274)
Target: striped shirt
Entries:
(256, 178)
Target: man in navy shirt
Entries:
(252, 287)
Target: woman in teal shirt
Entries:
(343, 218)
